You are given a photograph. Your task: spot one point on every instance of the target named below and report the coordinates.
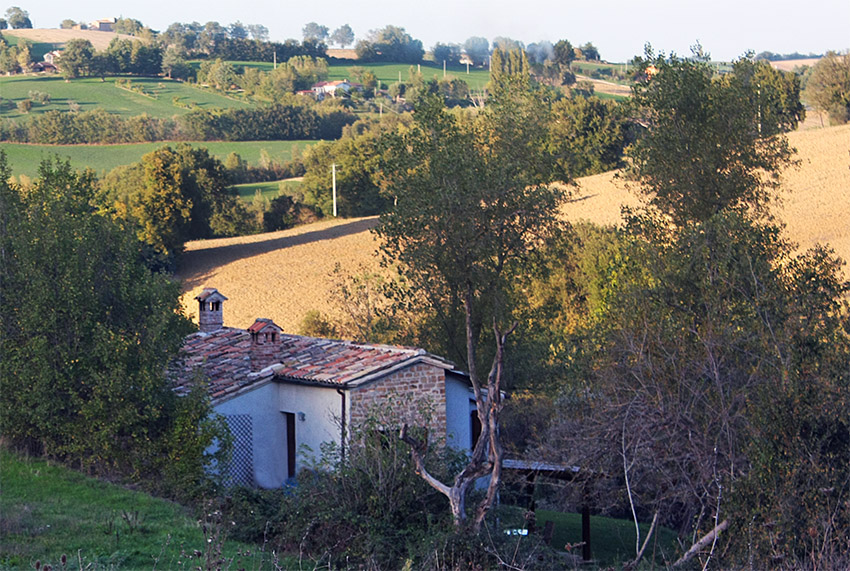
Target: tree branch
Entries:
(699, 545)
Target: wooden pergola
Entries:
(531, 470)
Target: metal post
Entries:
(334, 186)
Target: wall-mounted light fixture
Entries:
(302, 417)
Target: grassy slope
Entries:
(90, 93)
(24, 159)
(48, 510)
(299, 261)
(388, 72)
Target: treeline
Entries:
(274, 122)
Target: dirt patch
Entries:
(100, 40)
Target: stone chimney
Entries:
(265, 344)
(210, 316)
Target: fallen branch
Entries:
(700, 545)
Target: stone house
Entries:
(285, 395)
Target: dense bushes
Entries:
(86, 331)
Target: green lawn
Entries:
(25, 159)
(269, 190)
(47, 511)
(90, 93)
(612, 541)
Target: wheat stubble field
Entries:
(283, 275)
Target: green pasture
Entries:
(269, 190)
(49, 511)
(388, 73)
(90, 93)
(25, 159)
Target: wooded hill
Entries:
(300, 262)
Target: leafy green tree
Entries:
(588, 135)
(86, 332)
(237, 31)
(129, 26)
(258, 32)
(775, 94)
(469, 205)
(449, 53)
(343, 36)
(67, 24)
(314, 31)
(702, 152)
(18, 18)
(589, 52)
(828, 88)
(76, 58)
(477, 49)
(393, 43)
(178, 194)
(564, 54)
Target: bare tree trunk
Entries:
(486, 458)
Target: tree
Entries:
(589, 52)
(237, 31)
(87, 331)
(76, 58)
(477, 49)
(18, 18)
(564, 54)
(129, 26)
(448, 53)
(828, 87)
(178, 194)
(468, 208)
(343, 36)
(258, 32)
(314, 31)
(67, 24)
(697, 127)
(393, 43)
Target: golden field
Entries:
(282, 275)
(99, 40)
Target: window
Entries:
(290, 444)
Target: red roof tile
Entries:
(223, 358)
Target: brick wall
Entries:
(415, 395)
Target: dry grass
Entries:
(99, 40)
(283, 275)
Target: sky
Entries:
(619, 29)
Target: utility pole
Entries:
(333, 171)
(444, 69)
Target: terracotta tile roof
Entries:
(223, 358)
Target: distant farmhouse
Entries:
(103, 25)
(282, 394)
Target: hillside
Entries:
(58, 38)
(283, 275)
